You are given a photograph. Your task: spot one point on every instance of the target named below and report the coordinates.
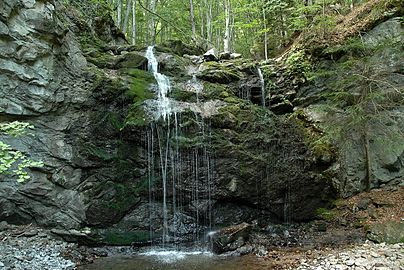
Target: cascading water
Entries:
(185, 175)
(163, 83)
(262, 86)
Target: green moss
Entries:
(141, 81)
(116, 121)
(353, 46)
(100, 153)
(298, 64)
(119, 238)
(136, 116)
(232, 100)
(323, 151)
(326, 214)
(130, 60)
(219, 73)
(182, 95)
(214, 91)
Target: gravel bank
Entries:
(31, 248)
(361, 257)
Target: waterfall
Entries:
(262, 86)
(184, 175)
(163, 84)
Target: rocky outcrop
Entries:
(87, 94)
(326, 90)
(47, 81)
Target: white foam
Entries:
(170, 256)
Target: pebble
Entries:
(366, 256)
(34, 252)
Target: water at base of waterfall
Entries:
(177, 260)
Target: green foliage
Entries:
(353, 46)
(298, 64)
(11, 160)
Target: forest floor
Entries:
(337, 241)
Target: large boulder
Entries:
(229, 238)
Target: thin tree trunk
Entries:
(191, 11)
(133, 21)
(127, 12)
(209, 21)
(265, 34)
(152, 8)
(368, 168)
(226, 39)
(202, 18)
(119, 14)
(232, 33)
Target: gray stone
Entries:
(388, 232)
(388, 30)
(210, 55)
(230, 238)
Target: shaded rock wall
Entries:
(84, 90)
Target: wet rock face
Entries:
(78, 94)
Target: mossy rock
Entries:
(178, 47)
(213, 91)
(388, 232)
(102, 60)
(182, 95)
(219, 73)
(131, 60)
(137, 116)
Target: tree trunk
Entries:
(191, 11)
(226, 39)
(119, 14)
(134, 22)
(126, 20)
(152, 7)
(209, 20)
(265, 35)
(368, 165)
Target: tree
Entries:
(192, 17)
(227, 37)
(11, 160)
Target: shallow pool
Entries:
(177, 260)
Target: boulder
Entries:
(229, 238)
(388, 232)
(224, 56)
(210, 55)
